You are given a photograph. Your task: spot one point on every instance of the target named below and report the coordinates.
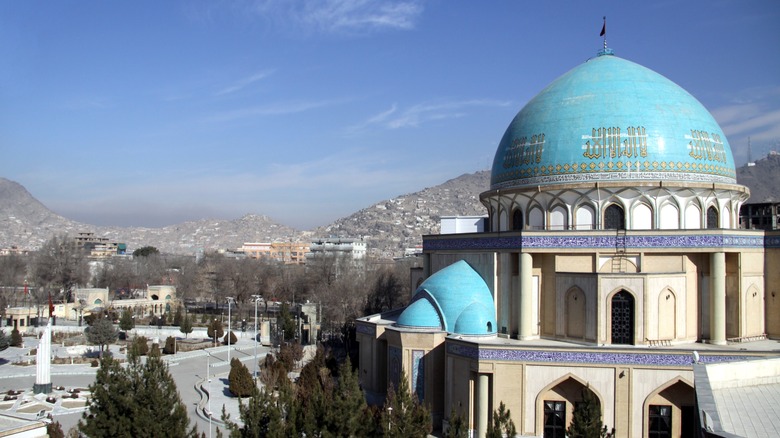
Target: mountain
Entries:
(763, 178)
(388, 226)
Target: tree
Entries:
(170, 345)
(126, 322)
(4, 341)
(186, 325)
(586, 422)
(140, 400)
(214, 330)
(457, 426)
(347, 413)
(240, 382)
(145, 251)
(232, 337)
(139, 347)
(54, 430)
(403, 415)
(16, 338)
(386, 292)
(102, 333)
(59, 265)
(286, 322)
(502, 424)
(177, 317)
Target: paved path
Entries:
(189, 370)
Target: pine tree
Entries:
(102, 333)
(126, 322)
(177, 317)
(111, 403)
(586, 422)
(502, 424)
(403, 415)
(4, 341)
(16, 338)
(347, 412)
(457, 426)
(140, 400)
(232, 336)
(170, 345)
(240, 382)
(186, 325)
(214, 330)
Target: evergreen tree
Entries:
(214, 330)
(16, 338)
(265, 414)
(4, 341)
(314, 393)
(403, 415)
(177, 317)
(286, 323)
(232, 337)
(186, 325)
(139, 346)
(240, 382)
(54, 430)
(126, 322)
(170, 345)
(586, 422)
(102, 333)
(457, 426)
(502, 424)
(111, 403)
(347, 412)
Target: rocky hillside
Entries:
(763, 179)
(389, 226)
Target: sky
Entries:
(152, 113)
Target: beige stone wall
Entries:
(772, 281)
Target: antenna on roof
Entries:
(750, 155)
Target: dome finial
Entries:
(605, 50)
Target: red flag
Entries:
(604, 28)
(51, 307)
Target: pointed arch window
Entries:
(517, 220)
(712, 218)
(614, 218)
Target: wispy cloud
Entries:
(273, 109)
(419, 114)
(244, 82)
(753, 113)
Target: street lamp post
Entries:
(256, 299)
(230, 301)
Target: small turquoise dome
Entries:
(454, 299)
(610, 119)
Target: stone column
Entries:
(483, 416)
(505, 292)
(526, 297)
(718, 298)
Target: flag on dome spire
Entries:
(604, 27)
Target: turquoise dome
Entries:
(607, 120)
(454, 299)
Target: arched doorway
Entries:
(517, 220)
(623, 318)
(614, 218)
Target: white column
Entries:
(483, 416)
(718, 298)
(526, 297)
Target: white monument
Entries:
(43, 363)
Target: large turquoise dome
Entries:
(610, 119)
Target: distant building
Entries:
(290, 253)
(98, 247)
(464, 224)
(760, 216)
(354, 249)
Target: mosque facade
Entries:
(612, 253)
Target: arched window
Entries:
(712, 218)
(623, 318)
(670, 217)
(536, 219)
(584, 218)
(642, 218)
(614, 218)
(558, 219)
(517, 220)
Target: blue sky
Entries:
(150, 113)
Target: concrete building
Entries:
(613, 252)
(284, 252)
(354, 249)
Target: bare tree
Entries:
(59, 267)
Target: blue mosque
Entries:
(613, 263)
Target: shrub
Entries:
(233, 338)
(170, 345)
(240, 380)
(94, 363)
(140, 346)
(16, 338)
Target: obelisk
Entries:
(43, 363)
